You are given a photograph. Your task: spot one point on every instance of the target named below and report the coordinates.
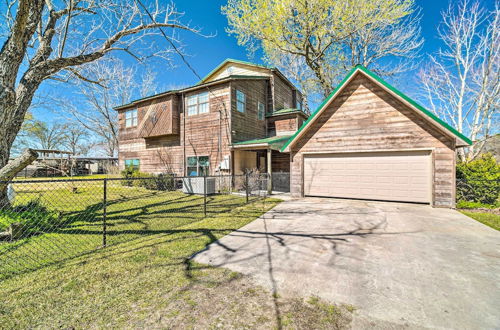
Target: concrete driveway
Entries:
(401, 265)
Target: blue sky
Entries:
(206, 53)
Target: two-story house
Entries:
(235, 119)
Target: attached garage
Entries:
(369, 141)
(391, 176)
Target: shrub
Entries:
(33, 216)
(479, 181)
(164, 182)
(128, 173)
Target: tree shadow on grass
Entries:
(163, 213)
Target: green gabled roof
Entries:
(389, 87)
(228, 60)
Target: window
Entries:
(133, 163)
(131, 118)
(197, 166)
(197, 104)
(261, 111)
(240, 101)
(299, 105)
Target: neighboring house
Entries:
(235, 119)
(61, 163)
(368, 140)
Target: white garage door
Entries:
(392, 176)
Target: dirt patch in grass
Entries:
(229, 300)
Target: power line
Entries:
(169, 41)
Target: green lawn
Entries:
(77, 225)
(93, 176)
(144, 278)
(489, 219)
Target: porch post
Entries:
(269, 171)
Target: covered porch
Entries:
(262, 155)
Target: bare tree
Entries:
(116, 86)
(462, 81)
(77, 139)
(43, 39)
(42, 135)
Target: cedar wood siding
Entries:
(202, 132)
(283, 94)
(247, 126)
(164, 149)
(199, 132)
(364, 117)
(285, 124)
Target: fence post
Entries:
(205, 195)
(246, 186)
(104, 204)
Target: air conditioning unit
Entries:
(195, 185)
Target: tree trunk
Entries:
(9, 171)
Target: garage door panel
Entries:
(398, 176)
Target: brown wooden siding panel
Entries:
(283, 94)
(199, 135)
(247, 126)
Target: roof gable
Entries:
(436, 121)
(232, 67)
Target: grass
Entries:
(489, 219)
(144, 279)
(77, 228)
(93, 176)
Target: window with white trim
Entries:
(261, 110)
(198, 165)
(241, 100)
(197, 104)
(131, 118)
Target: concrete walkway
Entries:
(401, 265)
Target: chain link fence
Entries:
(48, 221)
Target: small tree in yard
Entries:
(462, 81)
(44, 39)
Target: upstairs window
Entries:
(132, 163)
(131, 118)
(197, 104)
(241, 101)
(299, 105)
(198, 165)
(261, 111)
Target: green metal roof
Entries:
(275, 142)
(228, 60)
(285, 112)
(388, 86)
(268, 140)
